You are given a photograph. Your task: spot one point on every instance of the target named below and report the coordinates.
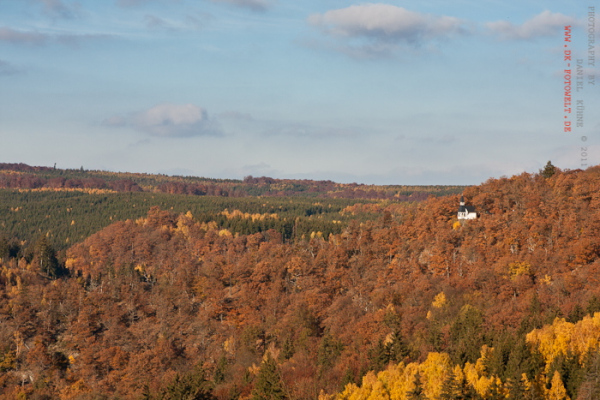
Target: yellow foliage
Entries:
(456, 225)
(563, 337)
(519, 268)
(325, 396)
(229, 345)
(82, 190)
(254, 217)
(7, 361)
(557, 389)
(397, 381)
(75, 390)
(439, 301)
(476, 375)
(434, 371)
(209, 226)
(254, 369)
(560, 338)
(459, 376)
(349, 392)
(394, 384)
(318, 235)
(225, 232)
(183, 224)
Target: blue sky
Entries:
(398, 92)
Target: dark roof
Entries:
(469, 209)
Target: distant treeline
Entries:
(23, 176)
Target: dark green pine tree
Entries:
(219, 376)
(397, 348)
(590, 387)
(192, 386)
(593, 305)
(45, 256)
(576, 314)
(379, 357)
(288, 349)
(548, 170)
(451, 389)
(349, 377)
(329, 350)
(516, 388)
(4, 248)
(466, 336)
(468, 392)
(417, 393)
(394, 351)
(268, 384)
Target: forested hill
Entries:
(407, 304)
(66, 206)
(22, 176)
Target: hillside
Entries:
(69, 205)
(23, 176)
(66, 217)
(172, 306)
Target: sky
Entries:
(397, 92)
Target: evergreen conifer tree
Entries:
(450, 388)
(268, 384)
(417, 393)
(548, 170)
(192, 386)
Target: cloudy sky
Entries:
(398, 92)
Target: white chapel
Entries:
(464, 211)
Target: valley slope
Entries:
(169, 305)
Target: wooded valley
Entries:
(131, 294)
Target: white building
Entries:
(465, 212)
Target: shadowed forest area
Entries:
(302, 297)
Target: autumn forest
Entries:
(135, 286)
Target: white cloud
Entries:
(385, 22)
(169, 120)
(543, 24)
